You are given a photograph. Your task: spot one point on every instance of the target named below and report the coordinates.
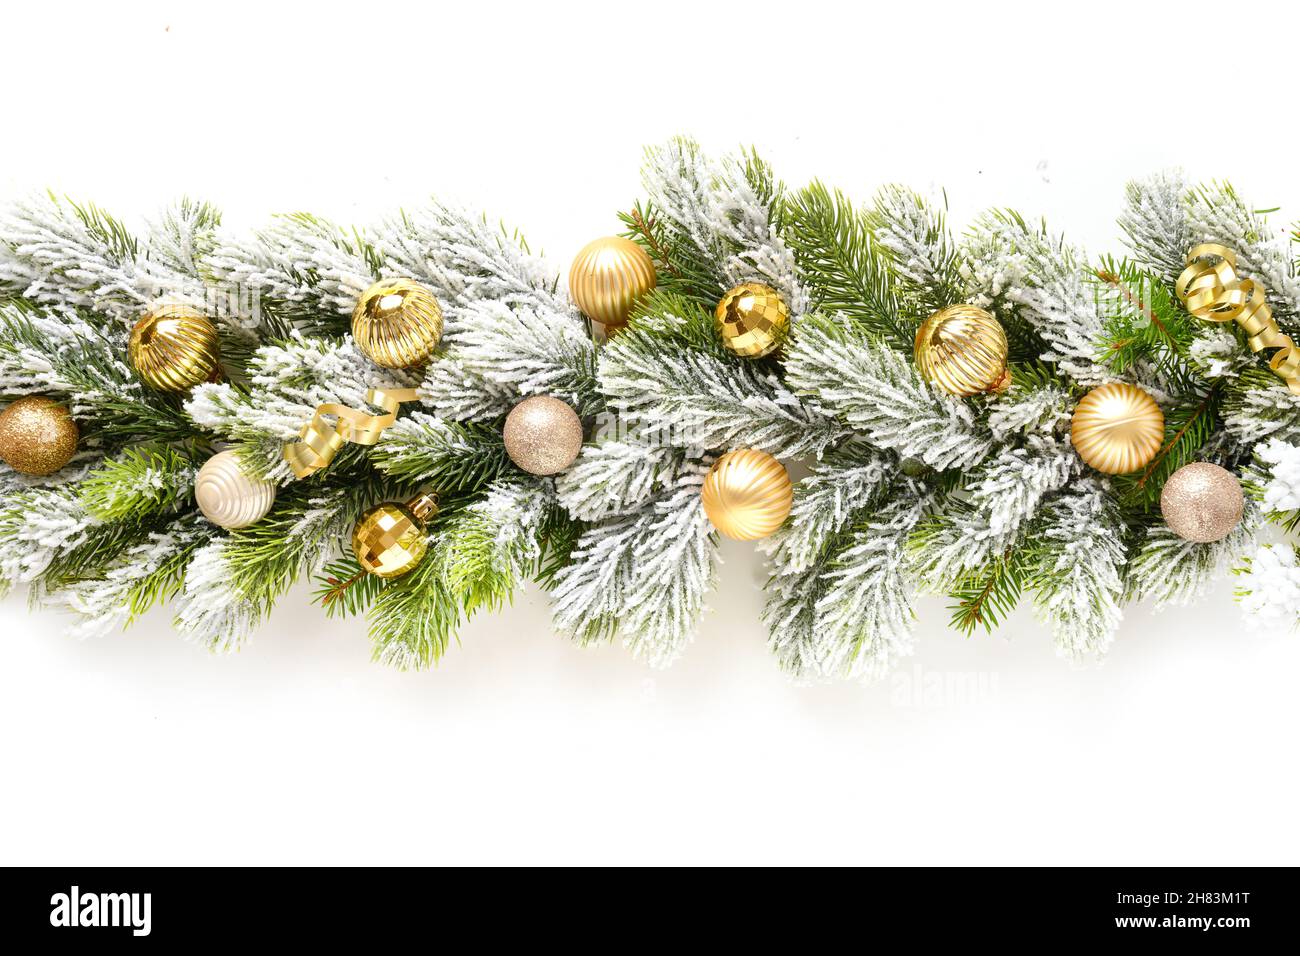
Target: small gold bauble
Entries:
(175, 347)
(228, 495)
(1202, 502)
(543, 435)
(37, 436)
(608, 276)
(747, 494)
(1117, 428)
(397, 323)
(963, 350)
(390, 539)
(752, 320)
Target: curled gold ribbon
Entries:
(1210, 289)
(319, 442)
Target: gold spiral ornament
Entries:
(319, 441)
(963, 350)
(1117, 428)
(747, 494)
(228, 495)
(607, 278)
(1210, 289)
(175, 347)
(397, 323)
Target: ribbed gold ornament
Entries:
(963, 350)
(175, 347)
(1117, 428)
(608, 276)
(747, 494)
(543, 435)
(37, 435)
(390, 539)
(228, 495)
(397, 323)
(1202, 502)
(752, 320)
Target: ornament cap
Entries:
(423, 506)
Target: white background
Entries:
(520, 747)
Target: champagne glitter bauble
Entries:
(397, 323)
(747, 494)
(37, 436)
(607, 278)
(175, 347)
(1117, 428)
(390, 539)
(1202, 502)
(963, 350)
(752, 320)
(543, 435)
(228, 495)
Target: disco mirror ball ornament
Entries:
(543, 435)
(228, 495)
(1117, 428)
(175, 347)
(397, 323)
(747, 494)
(607, 278)
(1202, 502)
(37, 435)
(752, 320)
(390, 539)
(963, 350)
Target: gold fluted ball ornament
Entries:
(608, 276)
(747, 494)
(752, 320)
(1202, 502)
(1117, 428)
(397, 323)
(228, 495)
(37, 435)
(390, 539)
(175, 347)
(543, 435)
(963, 350)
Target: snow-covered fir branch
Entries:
(643, 575)
(1169, 570)
(878, 391)
(920, 248)
(1268, 587)
(617, 476)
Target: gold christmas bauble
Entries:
(752, 320)
(1117, 428)
(175, 347)
(963, 350)
(397, 323)
(747, 494)
(543, 435)
(390, 539)
(228, 495)
(1202, 502)
(37, 436)
(608, 276)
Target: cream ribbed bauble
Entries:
(228, 495)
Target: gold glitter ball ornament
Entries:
(228, 495)
(1117, 428)
(175, 347)
(747, 494)
(37, 436)
(390, 539)
(607, 278)
(1202, 502)
(397, 323)
(543, 435)
(963, 350)
(752, 320)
